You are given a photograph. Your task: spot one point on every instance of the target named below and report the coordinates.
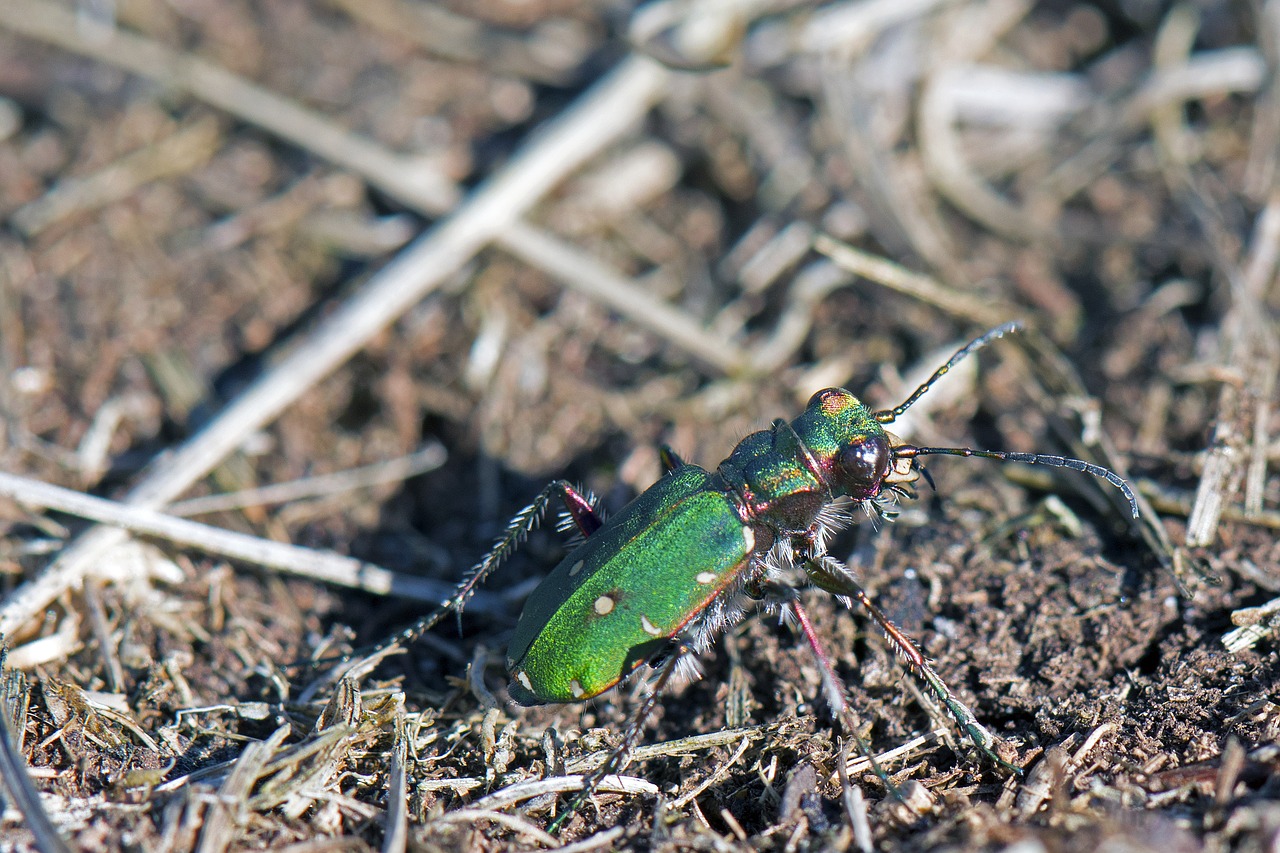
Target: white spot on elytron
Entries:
(575, 568)
(706, 577)
(749, 536)
(523, 678)
(650, 628)
(604, 605)
(575, 687)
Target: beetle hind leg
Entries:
(518, 529)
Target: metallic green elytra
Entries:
(593, 620)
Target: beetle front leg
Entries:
(829, 574)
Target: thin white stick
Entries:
(395, 470)
(324, 566)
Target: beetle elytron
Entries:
(698, 549)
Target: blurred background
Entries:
(416, 259)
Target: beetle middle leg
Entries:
(829, 574)
(617, 759)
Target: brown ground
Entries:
(164, 246)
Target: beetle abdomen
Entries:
(624, 593)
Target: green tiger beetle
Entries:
(659, 580)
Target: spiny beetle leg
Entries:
(617, 759)
(829, 574)
(518, 528)
(834, 690)
(832, 687)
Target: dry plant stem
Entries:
(606, 839)
(457, 37)
(1250, 349)
(511, 822)
(908, 223)
(393, 173)
(218, 831)
(395, 470)
(721, 772)
(925, 288)
(520, 791)
(971, 33)
(176, 154)
(322, 566)
(942, 149)
(608, 110)
(1261, 270)
(855, 806)
(847, 29)
(396, 836)
(597, 281)
(14, 777)
(1206, 74)
(667, 749)
(1262, 175)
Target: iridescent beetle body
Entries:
(686, 551)
(695, 551)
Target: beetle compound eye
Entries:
(862, 465)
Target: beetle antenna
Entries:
(907, 451)
(888, 416)
(928, 478)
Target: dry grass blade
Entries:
(922, 287)
(720, 773)
(326, 567)
(176, 154)
(1250, 350)
(396, 836)
(516, 824)
(593, 279)
(521, 791)
(228, 811)
(396, 470)
(13, 768)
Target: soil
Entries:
(164, 247)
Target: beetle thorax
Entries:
(775, 485)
